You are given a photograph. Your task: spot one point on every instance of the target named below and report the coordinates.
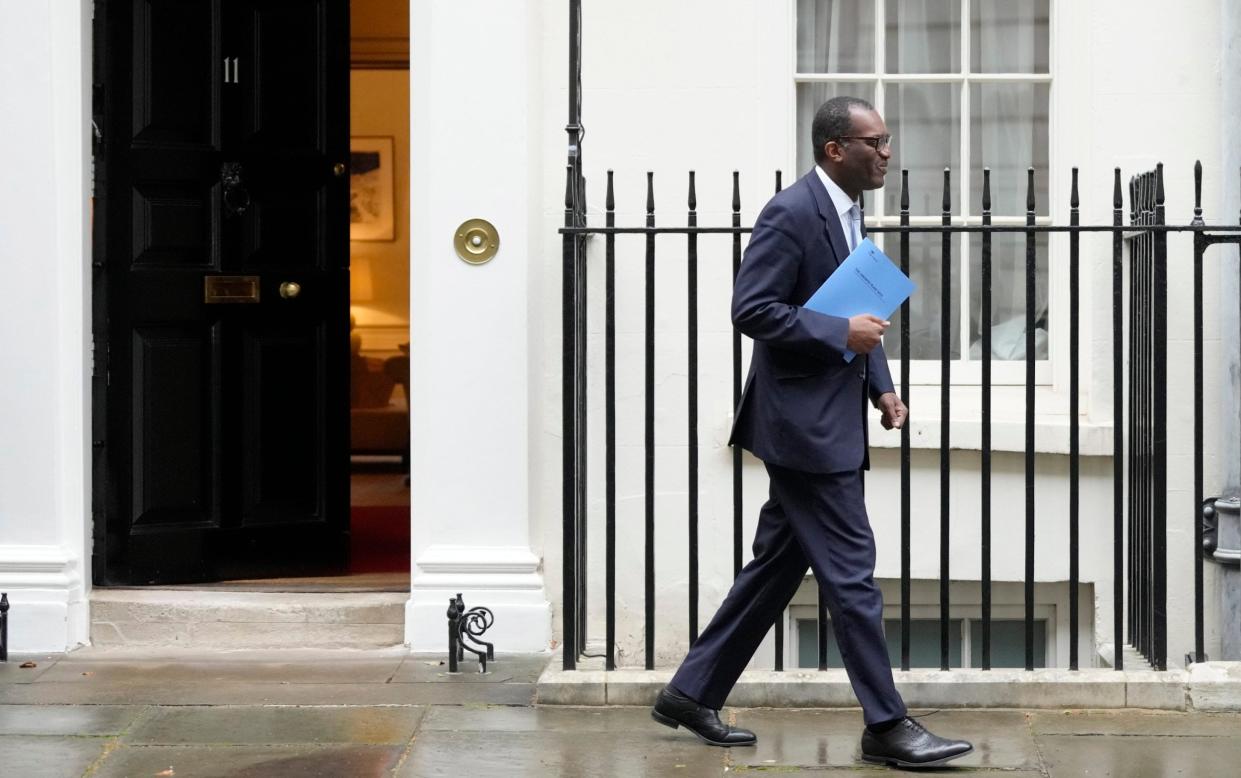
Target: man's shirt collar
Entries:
(840, 200)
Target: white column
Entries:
(44, 256)
(474, 106)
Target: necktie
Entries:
(855, 224)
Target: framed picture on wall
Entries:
(372, 188)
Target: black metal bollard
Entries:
(454, 629)
(460, 620)
(464, 630)
(4, 627)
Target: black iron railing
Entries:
(4, 627)
(1139, 414)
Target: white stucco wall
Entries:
(669, 87)
(44, 399)
(474, 103)
(708, 87)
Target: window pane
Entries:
(923, 643)
(1008, 296)
(809, 98)
(1009, 36)
(925, 329)
(1008, 643)
(835, 36)
(925, 122)
(923, 37)
(1008, 133)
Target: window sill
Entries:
(1051, 435)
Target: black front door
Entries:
(221, 289)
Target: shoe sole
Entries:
(887, 760)
(668, 721)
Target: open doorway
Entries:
(223, 394)
(379, 251)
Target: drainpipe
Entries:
(1227, 540)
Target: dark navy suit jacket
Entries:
(803, 406)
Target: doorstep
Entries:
(222, 619)
(1205, 686)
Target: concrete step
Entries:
(212, 619)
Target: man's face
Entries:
(857, 162)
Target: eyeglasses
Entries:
(876, 142)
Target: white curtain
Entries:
(923, 37)
(1009, 134)
(835, 36)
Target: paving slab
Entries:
(241, 693)
(825, 738)
(494, 718)
(247, 725)
(13, 672)
(1072, 756)
(326, 670)
(306, 761)
(1131, 722)
(535, 754)
(523, 668)
(877, 771)
(48, 757)
(79, 720)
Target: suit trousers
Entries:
(815, 520)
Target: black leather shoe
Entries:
(673, 709)
(909, 744)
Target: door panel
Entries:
(286, 41)
(284, 228)
(175, 78)
(175, 223)
(285, 439)
(224, 450)
(175, 415)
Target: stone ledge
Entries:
(1215, 686)
(1209, 686)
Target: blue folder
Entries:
(866, 282)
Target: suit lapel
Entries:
(831, 219)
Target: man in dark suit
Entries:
(803, 414)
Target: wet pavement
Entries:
(387, 713)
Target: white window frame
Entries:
(965, 372)
(965, 613)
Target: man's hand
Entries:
(865, 331)
(894, 411)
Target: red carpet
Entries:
(379, 539)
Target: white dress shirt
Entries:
(847, 210)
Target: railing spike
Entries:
(610, 200)
(736, 191)
(1118, 202)
(1197, 192)
(947, 191)
(1073, 201)
(904, 189)
(986, 189)
(1030, 190)
(650, 192)
(693, 193)
(1158, 184)
(779, 181)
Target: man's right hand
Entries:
(865, 331)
